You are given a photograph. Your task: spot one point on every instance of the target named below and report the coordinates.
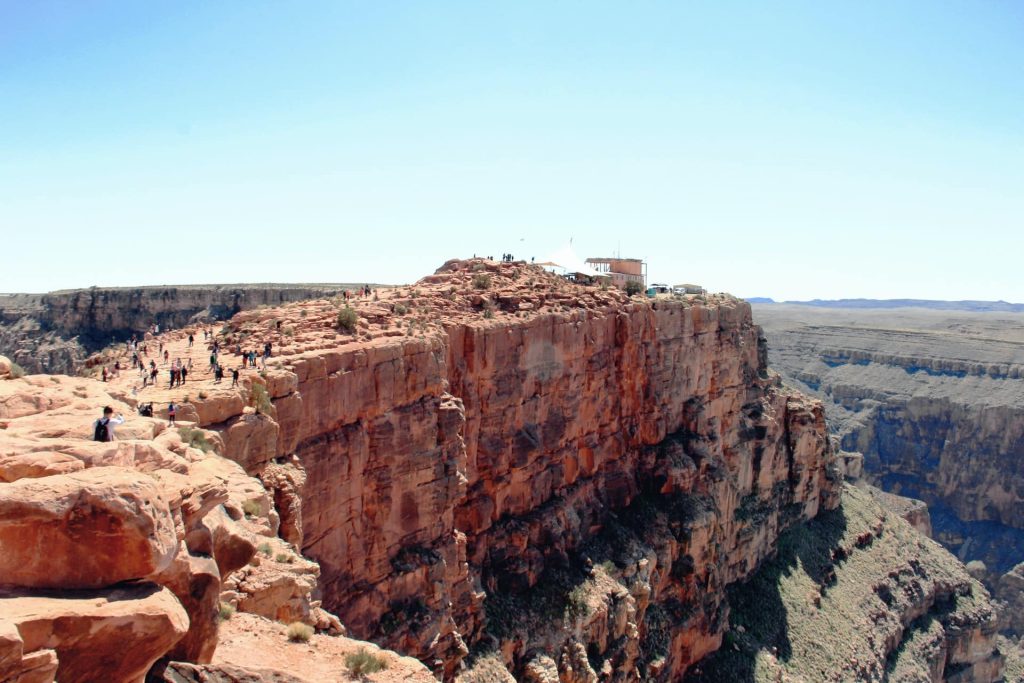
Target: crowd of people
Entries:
(178, 369)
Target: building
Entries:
(621, 270)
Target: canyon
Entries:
(493, 474)
(934, 401)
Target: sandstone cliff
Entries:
(502, 474)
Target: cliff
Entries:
(933, 400)
(502, 474)
(55, 332)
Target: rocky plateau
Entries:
(493, 474)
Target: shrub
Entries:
(252, 508)
(401, 309)
(226, 611)
(347, 319)
(633, 287)
(259, 399)
(16, 370)
(488, 313)
(196, 438)
(289, 331)
(202, 395)
(481, 281)
(299, 632)
(284, 558)
(303, 313)
(576, 602)
(363, 662)
(266, 549)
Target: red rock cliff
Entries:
(549, 474)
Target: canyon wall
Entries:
(933, 400)
(505, 475)
(55, 332)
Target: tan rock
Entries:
(37, 464)
(109, 635)
(88, 529)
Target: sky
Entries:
(793, 150)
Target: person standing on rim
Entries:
(103, 428)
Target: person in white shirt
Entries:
(103, 428)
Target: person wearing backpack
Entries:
(171, 412)
(103, 428)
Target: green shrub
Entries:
(283, 558)
(196, 438)
(16, 370)
(226, 611)
(288, 332)
(347, 319)
(481, 281)
(488, 313)
(401, 309)
(252, 508)
(363, 662)
(259, 399)
(576, 602)
(266, 549)
(303, 313)
(299, 632)
(633, 287)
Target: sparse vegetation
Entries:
(348, 319)
(202, 395)
(576, 602)
(303, 313)
(289, 331)
(259, 399)
(488, 313)
(16, 370)
(401, 309)
(226, 611)
(362, 662)
(266, 549)
(633, 287)
(299, 632)
(481, 281)
(195, 438)
(252, 508)
(284, 558)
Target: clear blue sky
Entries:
(792, 150)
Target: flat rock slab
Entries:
(88, 529)
(109, 635)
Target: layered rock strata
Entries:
(934, 401)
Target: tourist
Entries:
(218, 374)
(167, 355)
(172, 372)
(171, 412)
(234, 377)
(104, 373)
(190, 340)
(183, 373)
(103, 428)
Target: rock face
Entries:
(934, 401)
(55, 332)
(481, 445)
(858, 595)
(502, 474)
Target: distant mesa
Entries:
(936, 305)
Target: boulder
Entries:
(109, 635)
(89, 529)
